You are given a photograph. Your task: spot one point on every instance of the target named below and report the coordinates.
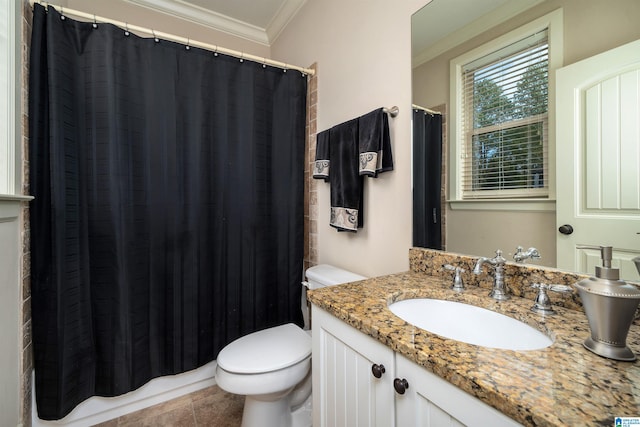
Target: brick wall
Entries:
(310, 184)
(27, 348)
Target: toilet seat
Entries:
(265, 351)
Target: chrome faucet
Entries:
(520, 255)
(499, 291)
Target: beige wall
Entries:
(362, 50)
(590, 27)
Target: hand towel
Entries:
(374, 143)
(322, 162)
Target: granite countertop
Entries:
(562, 385)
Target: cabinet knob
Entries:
(401, 385)
(378, 370)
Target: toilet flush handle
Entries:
(377, 370)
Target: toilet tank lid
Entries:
(266, 350)
(328, 275)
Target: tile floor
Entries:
(210, 407)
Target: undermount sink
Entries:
(470, 324)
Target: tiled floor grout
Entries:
(193, 414)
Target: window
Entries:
(502, 132)
(505, 121)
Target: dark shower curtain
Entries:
(168, 211)
(427, 179)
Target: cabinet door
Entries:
(431, 401)
(345, 391)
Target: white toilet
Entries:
(272, 367)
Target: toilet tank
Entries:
(320, 276)
(323, 275)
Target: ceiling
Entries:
(260, 21)
(443, 24)
(429, 25)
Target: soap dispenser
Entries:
(610, 305)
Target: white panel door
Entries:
(598, 160)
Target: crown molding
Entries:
(285, 14)
(206, 17)
(473, 29)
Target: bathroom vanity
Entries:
(364, 382)
(372, 368)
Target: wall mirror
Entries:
(445, 29)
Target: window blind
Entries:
(505, 120)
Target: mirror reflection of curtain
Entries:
(168, 211)
(427, 179)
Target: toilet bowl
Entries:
(266, 366)
(272, 367)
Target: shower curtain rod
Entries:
(426, 109)
(183, 40)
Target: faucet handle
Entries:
(542, 303)
(458, 284)
(521, 255)
(559, 288)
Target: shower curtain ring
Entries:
(95, 22)
(215, 51)
(188, 47)
(241, 56)
(264, 62)
(126, 29)
(155, 39)
(62, 17)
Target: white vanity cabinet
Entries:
(431, 401)
(346, 393)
